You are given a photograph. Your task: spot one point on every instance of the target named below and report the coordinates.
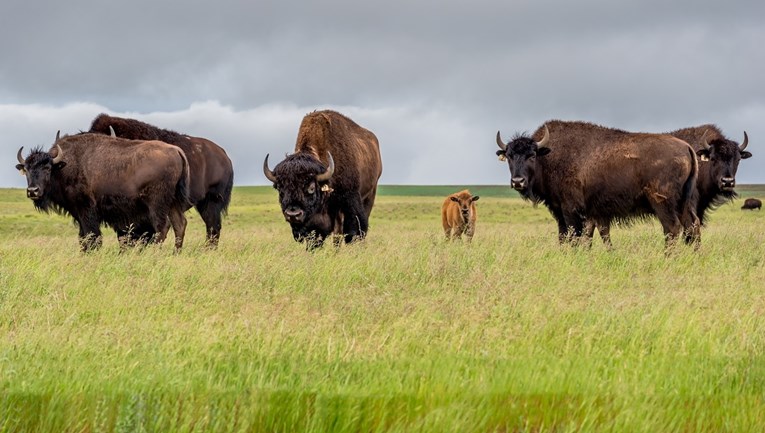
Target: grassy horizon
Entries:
(403, 332)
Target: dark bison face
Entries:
(723, 157)
(303, 185)
(38, 168)
(521, 154)
(465, 204)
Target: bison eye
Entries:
(312, 188)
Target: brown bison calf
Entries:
(752, 203)
(458, 215)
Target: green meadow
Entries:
(403, 332)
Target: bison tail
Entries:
(690, 194)
(225, 193)
(182, 194)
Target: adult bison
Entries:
(719, 158)
(752, 204)
(328, 185)
(212, 174)
(458, 215)
(102, 180)
(583, 171)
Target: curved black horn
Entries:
(267, 171)
(323, 177)
(18, 155)
(501, 145)
(111, 132)
(543, 142)
(703, 140)
(59, 154)
(746, 141)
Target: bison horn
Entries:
(543, 142)
(59, 154)
(18, 155)
(501, 145)
(330, 170)
(746, 141)
(111, 132)
(703, 140)
(267, 171)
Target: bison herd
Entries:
(139, 180)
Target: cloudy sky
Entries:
(434, 80)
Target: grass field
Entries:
(403, 332)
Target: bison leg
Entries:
(355, 223)
(90, 232)
(210, 210)
(574, 225)
(178, 221)
(670, 222)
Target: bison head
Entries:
(723, 157)
(465, 203)
(303, 183)
(38, 167)
(521, 154)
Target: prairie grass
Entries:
(402, 332)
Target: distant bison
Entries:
(103, 180)
(212, 174)
(328, 185)
(752, 203)
(584, 172)
(458, 215)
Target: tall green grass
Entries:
(403, 332)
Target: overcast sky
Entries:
(434, 80)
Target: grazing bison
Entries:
(212, 174)
(752, 204)
(458, 215)
(103, 180)
(583, 171)
(718, 162)
(328, 185)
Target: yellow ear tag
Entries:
(326, 188)
(502, 158)
(704, 158)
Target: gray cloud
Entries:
(434, 80)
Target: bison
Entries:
(719, 158)
(328, 185)
(102, 180)
(582, 171)
(752, 204)
(458, 215)
(212, 174)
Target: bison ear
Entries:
(542, 151)
(454, 199)
(745, 155)
(20, 167)
(475, 198)
(703, 154)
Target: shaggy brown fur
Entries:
(112, 181)
(344, 201)
(458, 215)
(212, 174)
(589, 171)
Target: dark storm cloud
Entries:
(435, 79)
